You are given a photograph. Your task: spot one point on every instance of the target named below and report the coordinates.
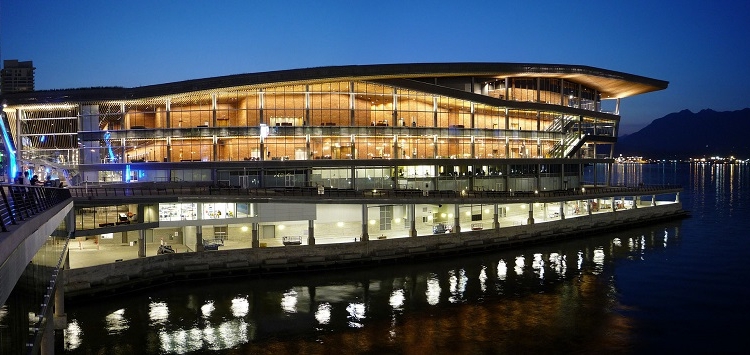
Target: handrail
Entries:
(107, 192)
(37, 329)
(21, 202)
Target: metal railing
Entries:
(45, 314)
(151, 191)
(22, 202)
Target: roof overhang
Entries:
(610, 84)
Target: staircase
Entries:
(569, 145)
(570, 142)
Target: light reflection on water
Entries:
(158, 313)
(207, 308)
(225, 335)
(502, 270)
(323, 314)
(558, 297)
(116, 322)
(73, 335)
(433, 290)
(240, 307)
(356, 314)
(397, 299)
(326, 309)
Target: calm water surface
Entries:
(678, 286)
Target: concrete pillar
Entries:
(47, 345)
(495, 219)
(310, 232)
(677, 197)
(60, 297)
(588, 206)
(60, 318)
(141, 243)
(635, 201)
(199, 238)
(612, 203)
(365, 235)
(456, 219)
(140, 213)
(653, 200)
(254, 236)
(412, 220)
(70, 221)
(562, 210)
(531, 214)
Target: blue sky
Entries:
(702, 48)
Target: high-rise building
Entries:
(16, 76)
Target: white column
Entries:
(531, 214)
(310, 232)
(456, 219)
(255, 241)
(562, 210)
(495, 219)
(412, 220)
(365, 235)
(141, 243)
(199, 238)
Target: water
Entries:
(677, 286)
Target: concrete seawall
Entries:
(157, 270)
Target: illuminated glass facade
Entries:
(433, 126)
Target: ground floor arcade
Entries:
(287, 225)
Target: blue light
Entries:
(109, 146)
(12, 166)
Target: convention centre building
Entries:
(327, 154)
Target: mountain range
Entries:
(686, 134)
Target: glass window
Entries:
(329, 104)
(178, 211)
(219, 210)
(191, 111)
(284, 106)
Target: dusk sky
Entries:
(702, 48)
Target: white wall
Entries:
(272, 212)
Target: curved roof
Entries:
(610, 84)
